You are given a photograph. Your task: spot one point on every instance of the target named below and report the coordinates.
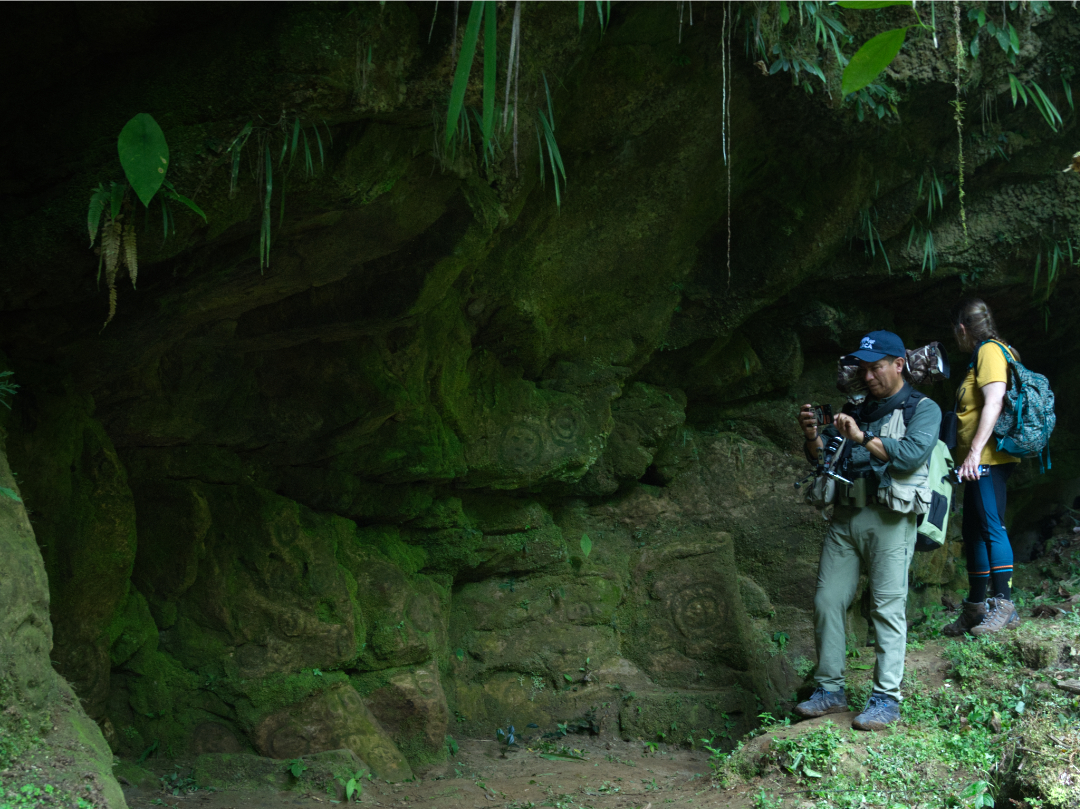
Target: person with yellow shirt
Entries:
(984, 470)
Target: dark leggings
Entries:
(989, 553)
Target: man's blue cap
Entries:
(879, 344)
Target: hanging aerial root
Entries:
(958, 115)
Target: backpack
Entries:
(1027, 413)
(930, 533)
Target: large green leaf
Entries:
(874, 3)
(488, 123)
(872, 58)
(144, 154)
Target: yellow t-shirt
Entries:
(991, 367)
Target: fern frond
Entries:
(99, 198)
(110, 247)
(112, 306)
(131, 257)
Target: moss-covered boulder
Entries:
(46, 732)
(85, 525)
(337, 718)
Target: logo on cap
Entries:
(867, 343)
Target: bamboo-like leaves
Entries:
(169, 192)
(464, 66)
(547, 125)
(1019, 92)
(489, 77)
(236, 147)
(871, 4)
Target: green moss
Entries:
(388, 541)
(131, 629)
(257, 699)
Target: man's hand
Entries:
(849, 428)
(808, 422)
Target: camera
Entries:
(823, 414)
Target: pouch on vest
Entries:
(933, 525)
(822, 492)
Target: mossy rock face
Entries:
(405, 615)
(410, 705)
(263, 595)
(588, 600)
(86, 526)
(493, 536)
(27, 681)
(689, 616)
(42, 717)
(262, 586)
(685, 717)
(644, 416)
(334, 719)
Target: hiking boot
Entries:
(822, 702)
(974, 614)
(880, 711)
(1001, 615)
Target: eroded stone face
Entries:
(412, 709)
(336, 718)
(691, 617)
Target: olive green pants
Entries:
(884, 541)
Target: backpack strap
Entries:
(866, 417)
(910, 404)
(1009, 359)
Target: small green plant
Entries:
(507, 738)
(177, 784)
(810, 754)
(977, 795)
(7, 388)
(586, 671)
(780, 639)
(353, 784)
(296, 767)
(650, 748)
(766, 800)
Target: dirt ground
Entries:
(614, 775)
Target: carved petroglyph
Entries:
(565, 425)
(521, 445)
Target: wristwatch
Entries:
(867, 438)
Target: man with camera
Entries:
(878, 464)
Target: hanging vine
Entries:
(958, 115)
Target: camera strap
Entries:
(885, 409)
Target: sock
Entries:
(1001, 581)
(978, 588)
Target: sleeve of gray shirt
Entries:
(913, 450)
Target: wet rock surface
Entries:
(461, 458)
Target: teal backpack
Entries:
(1027, 414)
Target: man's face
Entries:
(883, 377)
